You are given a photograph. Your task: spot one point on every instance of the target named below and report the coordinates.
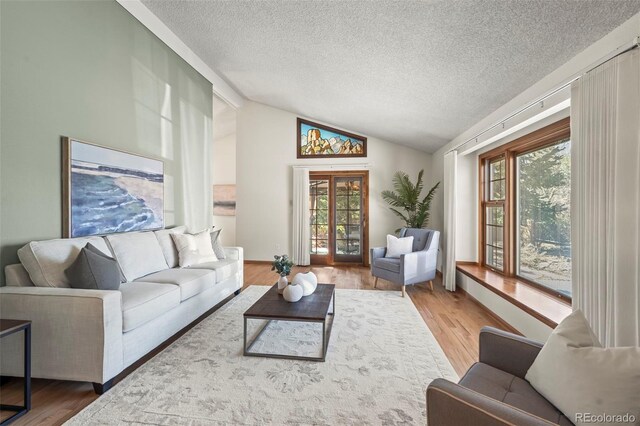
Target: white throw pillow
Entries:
(580, 377)
(398, 246)
(194, 249)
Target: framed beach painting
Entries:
(107, 191)
(224, 200)
(320, 141)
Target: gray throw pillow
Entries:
(217, 245)
(93, 270)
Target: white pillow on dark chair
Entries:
(577, 375)
(398, 246)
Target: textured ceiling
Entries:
(412, 72)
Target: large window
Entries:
(525, 207)
(543, 216)
(494, 214)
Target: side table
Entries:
(8, 327)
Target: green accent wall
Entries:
(91, 71)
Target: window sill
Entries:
(541, 305)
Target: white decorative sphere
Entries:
(307, 288)
(292, 293)
(308, 281)
(297, 280)
(310, 276)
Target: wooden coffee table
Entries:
(315, 308)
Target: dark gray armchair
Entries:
(416, 267)
(493, 392)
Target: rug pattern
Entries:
(381, 358)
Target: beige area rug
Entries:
(380, 360)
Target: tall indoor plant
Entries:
(406, 197)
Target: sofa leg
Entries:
(101, 388)
(404, 290)
(375, 283)
(431, 284)
(237, 292)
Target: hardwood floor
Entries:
(455, 319)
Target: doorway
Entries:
(339, 210)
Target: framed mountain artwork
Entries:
(320, 141)
(106, 191)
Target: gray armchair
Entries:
(494, 391)
(416, 267)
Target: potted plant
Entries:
(406, 196)
(282, 265)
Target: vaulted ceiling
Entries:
(412, 72)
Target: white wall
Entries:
(266, 150)
(151, 103)
(224, 161)
(467, 205)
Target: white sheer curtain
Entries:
(449, 237)
(301, 231)
(605, 199)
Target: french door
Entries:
(338, 208)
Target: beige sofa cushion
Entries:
(190, 281)
(166, 243)
(142, 302)
(137, 253)
(46, 261)
(225, 268)
(579, 376)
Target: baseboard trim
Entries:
(257, 262)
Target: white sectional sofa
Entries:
(93, 335)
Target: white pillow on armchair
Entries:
(398, 246)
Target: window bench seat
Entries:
(541, 305)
